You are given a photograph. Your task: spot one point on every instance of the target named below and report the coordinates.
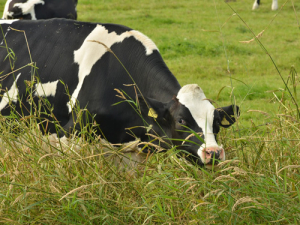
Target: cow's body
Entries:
(77, 54)
(40, 9)
(257, 3)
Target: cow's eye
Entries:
(181, 121)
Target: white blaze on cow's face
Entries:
(11, 94)
(28, 7)
(90, 52)
(193, 97)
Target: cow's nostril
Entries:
(215, 155)
(212, 155)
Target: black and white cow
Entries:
(75, 58)
(40, 9)
(257, 3)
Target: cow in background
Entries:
(40, 9)
(257, 3)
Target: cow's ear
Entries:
(228, 115)
(152, 108)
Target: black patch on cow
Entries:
(216, 123)
(228, 115)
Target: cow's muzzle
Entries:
(212, 155)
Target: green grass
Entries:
(200, 42)
(44, 181)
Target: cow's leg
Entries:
(77, 123)
(255, 4)
(66, 130)
(274, 5)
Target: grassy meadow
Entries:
(44, 180)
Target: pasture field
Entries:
(211, 43)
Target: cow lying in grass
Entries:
(40, 9)
(117, 77)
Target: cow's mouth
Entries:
(213, 163)
(211, 166)
(211, 156)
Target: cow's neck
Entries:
(159, 83)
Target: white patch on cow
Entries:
(7, 21)
(193, 97)
(147, 42)
(5, 12)
(76, 7)
(10, 95)
(28, 7)
(46, 89)
(274, 5)
(8, 29)
(255, 5)
(90, 52)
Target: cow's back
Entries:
(56, 9)
(50, 48)
(72, 68)
(40, 9)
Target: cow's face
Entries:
(209, 119)
(192, 127)
(185, 133)
(173, 123)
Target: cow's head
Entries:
(190, 110)
(172, 122)
(209, 119)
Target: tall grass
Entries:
(46, 180)
(85, 180)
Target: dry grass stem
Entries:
(288, 167)
(262, 112)
(242, 201)
(253, 39)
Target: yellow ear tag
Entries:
(225, 122)
(152, 113)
